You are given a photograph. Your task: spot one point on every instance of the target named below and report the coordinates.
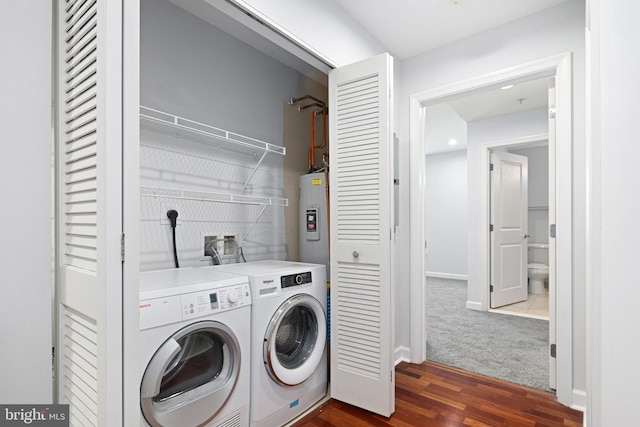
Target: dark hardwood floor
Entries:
(436, 395)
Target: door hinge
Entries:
(552, 350)
(552, 112)
(122, 248)
(490, 288)
(552, 231)
(490, 227)
(490, 167)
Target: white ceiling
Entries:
(449, 119)
(410, 27)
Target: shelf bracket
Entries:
(255, 169)
(264, 208)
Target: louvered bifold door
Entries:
(89, 214)
(362, 368)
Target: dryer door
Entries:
(191, 376)
(295, 340)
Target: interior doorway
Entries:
(478, 295)
(535, 241)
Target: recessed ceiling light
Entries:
(506, 87)
(453, 141)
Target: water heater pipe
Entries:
(312, 154)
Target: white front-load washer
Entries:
(195, 347)
(288, 338)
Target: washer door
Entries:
(295, 340)
(191, 376)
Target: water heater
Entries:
(314, 235)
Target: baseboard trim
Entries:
(474, 305)
(579, 400)
(447, 275)
(402, 354)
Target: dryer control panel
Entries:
(203, 303)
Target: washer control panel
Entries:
(208, 302)
(295, 279)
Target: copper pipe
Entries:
(324, 129)
(315, 104)
(312, 153)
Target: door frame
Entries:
(560, 67)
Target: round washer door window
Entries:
(295, 340)
(191, 376)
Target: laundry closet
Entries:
(214, 144)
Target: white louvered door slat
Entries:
(362, 367)
(89, 193)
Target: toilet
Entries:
(538, 272)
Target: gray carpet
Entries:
(509, 348)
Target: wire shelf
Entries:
(169, 124)
(206, 196)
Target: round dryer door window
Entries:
(295, 340)
(191, 376)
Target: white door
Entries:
(509, 218)
(90, 215)
(362, 365)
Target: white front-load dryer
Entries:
(289, 335)
(195, 347)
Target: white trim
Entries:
(474, 305)
(285, 38)
(131, 211)
(593, 172)
(579, 400)
(402, 354)
(560, 65)
(418, 331)
(447, 275)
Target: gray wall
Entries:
(192, 69)
(447, 207)
(446, 214)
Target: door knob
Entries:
(356, 254)
(526, 236)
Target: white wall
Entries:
(548, 33)
(446, 214)
(194, 70)
(614, 318)
(25, 180)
